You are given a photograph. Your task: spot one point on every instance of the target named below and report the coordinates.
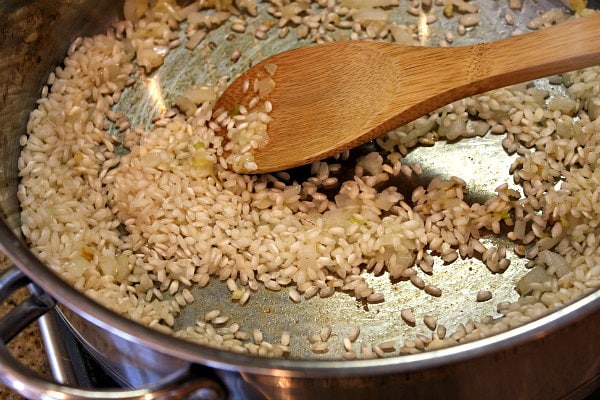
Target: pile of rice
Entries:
(138, 230)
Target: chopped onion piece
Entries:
(149, 58)
(265, 87)
(537, 275)
(371, 14)
(271, 68)
(200, 94)
(134, 9)
(291, 10)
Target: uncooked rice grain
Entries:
(408, 316)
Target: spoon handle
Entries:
(430, 78)
(567, 47)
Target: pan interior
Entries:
(481, 162)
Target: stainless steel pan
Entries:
(553, 357)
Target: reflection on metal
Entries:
(423, 28)
(156, 95)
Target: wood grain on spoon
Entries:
(331, 97)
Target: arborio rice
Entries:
(138, 229)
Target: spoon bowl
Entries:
(331, 97)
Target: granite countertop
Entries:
(27, 346)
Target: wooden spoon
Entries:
(331, 97)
